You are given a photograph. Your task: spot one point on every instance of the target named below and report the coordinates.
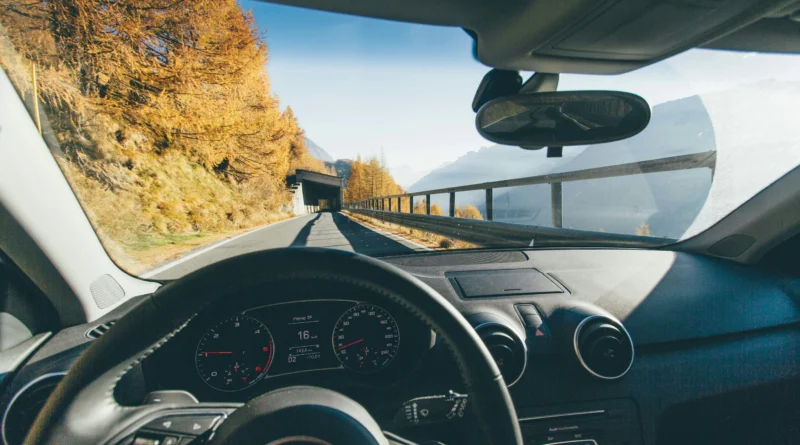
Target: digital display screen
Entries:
(302, 334)
(305, 345)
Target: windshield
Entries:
(194, 131)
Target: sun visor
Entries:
(587, 36)
(617, 36)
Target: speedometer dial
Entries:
(235, 353)
(366, 338)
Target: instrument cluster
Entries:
(235, 351)
(239, 350)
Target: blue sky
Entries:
(362, 86)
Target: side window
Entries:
(24, 311)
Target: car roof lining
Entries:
(592, 36)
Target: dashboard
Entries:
(705, 351)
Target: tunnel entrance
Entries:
(317, 192)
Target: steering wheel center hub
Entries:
(299, 440)
(300, 415)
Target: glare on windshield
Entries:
(186, 127)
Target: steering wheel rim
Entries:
(83, 409)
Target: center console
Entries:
(610, 422)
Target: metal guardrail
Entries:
(383, 208)
(509, 235)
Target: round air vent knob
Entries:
(604, 347)
(507, 348)
(501, 346)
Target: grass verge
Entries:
(148, 251)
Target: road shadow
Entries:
(366, 241)
(302, 237)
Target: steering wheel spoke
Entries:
(394, 439)
(174, 425)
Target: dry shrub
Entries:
(469, 211)
(643, 230)
(445, 243)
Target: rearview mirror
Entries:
(562, 118)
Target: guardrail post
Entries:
(427, 204)
(452, 204)
(399, 205)
(555, 201)
(410, 204)
(489, 206)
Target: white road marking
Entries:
(196, 254)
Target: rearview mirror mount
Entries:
(562, 118)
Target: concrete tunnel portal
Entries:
(316, 192)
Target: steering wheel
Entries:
(83, 409)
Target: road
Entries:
(332, 230)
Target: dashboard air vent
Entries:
(25, 406)
(507, 348)
(604, 347)
(98, 331)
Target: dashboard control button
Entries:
(146, 440)
(532, 320)
(538, 334)
(170, 396)
(431, 409)
(527, 309)
(536, 326)
(154, 439)
(194, 425)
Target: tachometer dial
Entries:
(366, 338)
(235, 353)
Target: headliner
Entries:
(592, 36)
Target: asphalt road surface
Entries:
(332, 230)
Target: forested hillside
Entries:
(160, 114)
(369, 178)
